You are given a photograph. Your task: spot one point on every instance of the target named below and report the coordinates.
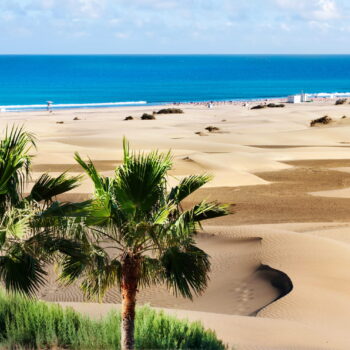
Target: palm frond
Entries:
(186, 270)
(21, 271)
(126, 150)
(161, 215)
(15, 162)
(99, 211)
(150, 272)
(92, 172)
(44, 245)
(47, 187)
(73, 266)
(15, 222)
(58, 209)
(99, 280)
(209, 210)
(187, 186)
(98, 272)
(140, 181)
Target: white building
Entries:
(305, 97)
(294, 99)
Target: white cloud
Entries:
(285, 27)
(185, 21)
(327, 9)
(122, 35)
(80, 34)
(318, 10)
(91, 8)
(22, 32)
(7, 16)
(324, 26)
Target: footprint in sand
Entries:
(243, 294)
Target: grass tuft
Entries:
(146, 116)
(170, 111)
(321, 121)
(340, 101)
(31, 324)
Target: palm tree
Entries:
(138, 234)
(24, 246)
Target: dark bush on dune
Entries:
(270, 105)
(200, 133)
(259, 107)
(146, 116)
(275, 105)
(212, 128)
(340, 101)
(129, 118)
(30, 324)
(170, 111)
(324, 120)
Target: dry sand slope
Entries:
(291, 187)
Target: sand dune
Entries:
(290, 183)
(312, 316)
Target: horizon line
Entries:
(174, 54)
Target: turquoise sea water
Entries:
(29, 81)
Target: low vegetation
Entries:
(340, 101)
(146, 116)
(32, 324)
(212, 128)
(276, 105)
(170, 111)
(321, 121)
(259, 107)
(269, 105)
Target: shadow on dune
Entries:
(278, 280)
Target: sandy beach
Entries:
(289, 186)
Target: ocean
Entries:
(27, 82)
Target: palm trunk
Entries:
(130, 277)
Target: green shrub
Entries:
(259, 107)
(340, 101)
(276, 105)
(212, 128)
(30, 324)
(323, 120)
(170, 111)
(146, 116)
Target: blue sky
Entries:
(174, 26)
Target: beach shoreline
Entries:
(246, 102)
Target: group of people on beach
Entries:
(247, 104)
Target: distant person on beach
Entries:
(49, 103)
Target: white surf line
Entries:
(63, 105)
